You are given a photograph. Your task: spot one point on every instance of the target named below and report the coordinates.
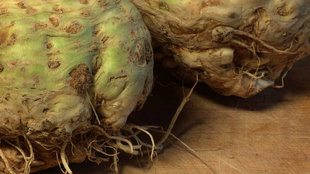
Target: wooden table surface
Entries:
(266, 134)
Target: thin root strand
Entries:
(64, 158)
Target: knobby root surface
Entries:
(24, 154)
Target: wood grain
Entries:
(266, 134)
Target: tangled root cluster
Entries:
(238, 47)
(26, 154)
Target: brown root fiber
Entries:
(24, 155)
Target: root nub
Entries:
(81, 79)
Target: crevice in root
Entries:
(93, 108)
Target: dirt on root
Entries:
(81, 78)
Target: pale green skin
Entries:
(40, 99)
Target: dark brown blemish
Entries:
(14, 63)
(142, 54)
(37, 99)
(53, 64)
(50, 54)
(58, 9)
(1, 68)
(137, 56)
(49, 45)
(21, 5)
(133, 33)
(85, 13)
(31, 10)
(12, 40)
(23, 69)
(148, 52)
(104, 39)
(84, 1)
(233, 15)
(96, 64)
(55, 21)
(203, 5)
(93, 48)
(118, 77)
(81, 78)
(47, 124)
(45, 110)
(3, 11)
(95, 32)
(7, 98)
(40, 26)
(74, 28)
(3, 35)
(283, 11)
(138, 53)
(36, 79)
(163, 5)
(102, 4)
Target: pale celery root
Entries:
(61, 61)
(238, 47)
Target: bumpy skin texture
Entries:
(58, 55)
(238, 47)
